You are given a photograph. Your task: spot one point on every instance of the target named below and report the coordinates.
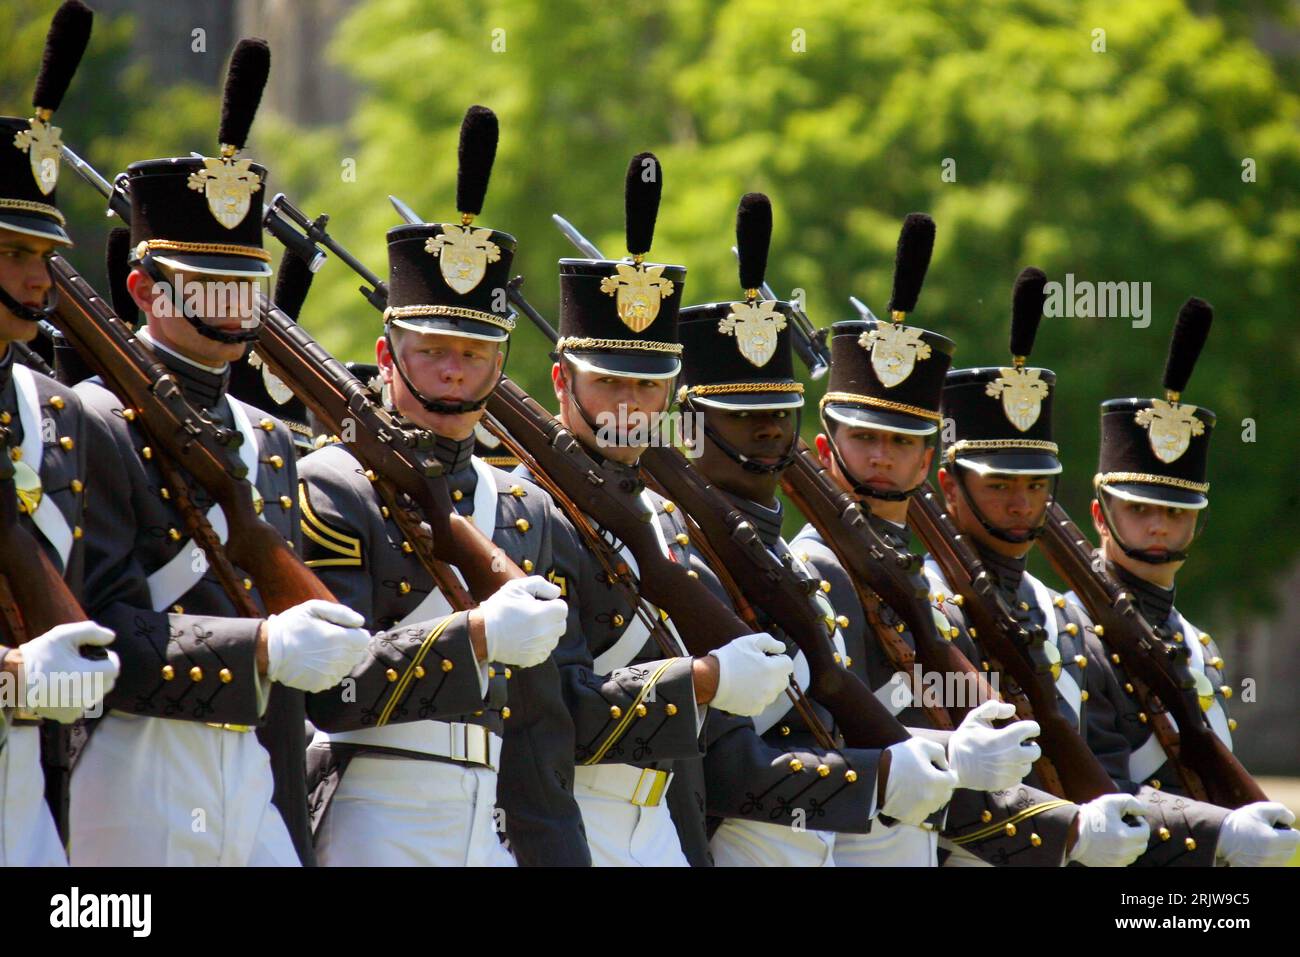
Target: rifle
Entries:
(1067, 768)
(1209, 771)
(882, 574)
(782, 595)
(193, 441)
(395, 458)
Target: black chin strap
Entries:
(998, 533)
(1141, 554)
(200, 326)
(437, 406)
(867, 490)
(28, 313)
(743, 460)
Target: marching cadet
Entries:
(1151, 489)
(638, 699)
(43, 421)
(738, 377)
(880, 417)
(172, 774)
(409, 764)
(999, 475)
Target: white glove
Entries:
(314, 645)
(1105, 838)
(57, 682)
(523, 621)
(1249, 839)
(752, 671)
(988, 758)
(919, 782)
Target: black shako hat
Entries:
(203, 215)
(1002, 416)
(620, 317)
(448, 277)
(738, 355)
(30, 148)
(886, 375)
(1157, 450)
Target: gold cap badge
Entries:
(755, 325)
(1170, 428)
(1022, 391)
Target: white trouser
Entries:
(398, 812)
(28, 837)
(159, 792)
(741, 843)
(620, 833)
(899, 845)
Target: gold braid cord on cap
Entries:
(855, 398)
(648, 345)
(409, 312)
(1145, 478)
(730, 388)
(27, 206)
(218, 249)
(1001, 445)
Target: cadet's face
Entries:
(616, 400)
(25, 275)
(444, 368)
(764, 437)
(1148, 528)
(232, 311)
(1016, 504)
(885, 461)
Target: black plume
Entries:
(64, 45)
(753, 238)
(1027, 301)
(478, 150)
(116, 261)
(250, 65)
(1190, 332)
(645, 184)
(915, 245)
(292, 284)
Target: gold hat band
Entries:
(28, 206)
(459, 312)
(200, 249)
(1001, 445)
(886, 404)
(641, 345)
(1146, 478)
(727, 388)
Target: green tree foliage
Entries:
(114, 113)
(1115, 164)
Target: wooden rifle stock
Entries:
(782, 595)
(1068, 768)
(202, 447)
(1207, 768)
(33, 595)
(395, 457)
(882, 574)
(703, 621)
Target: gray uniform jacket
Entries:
(1183, 832)
(193, 660)
(992, 825)
(607, 702)
(356, 547)
(777, 777)
(48, 420)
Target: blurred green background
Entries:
(1117, 164)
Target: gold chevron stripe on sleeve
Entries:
(330, 539)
